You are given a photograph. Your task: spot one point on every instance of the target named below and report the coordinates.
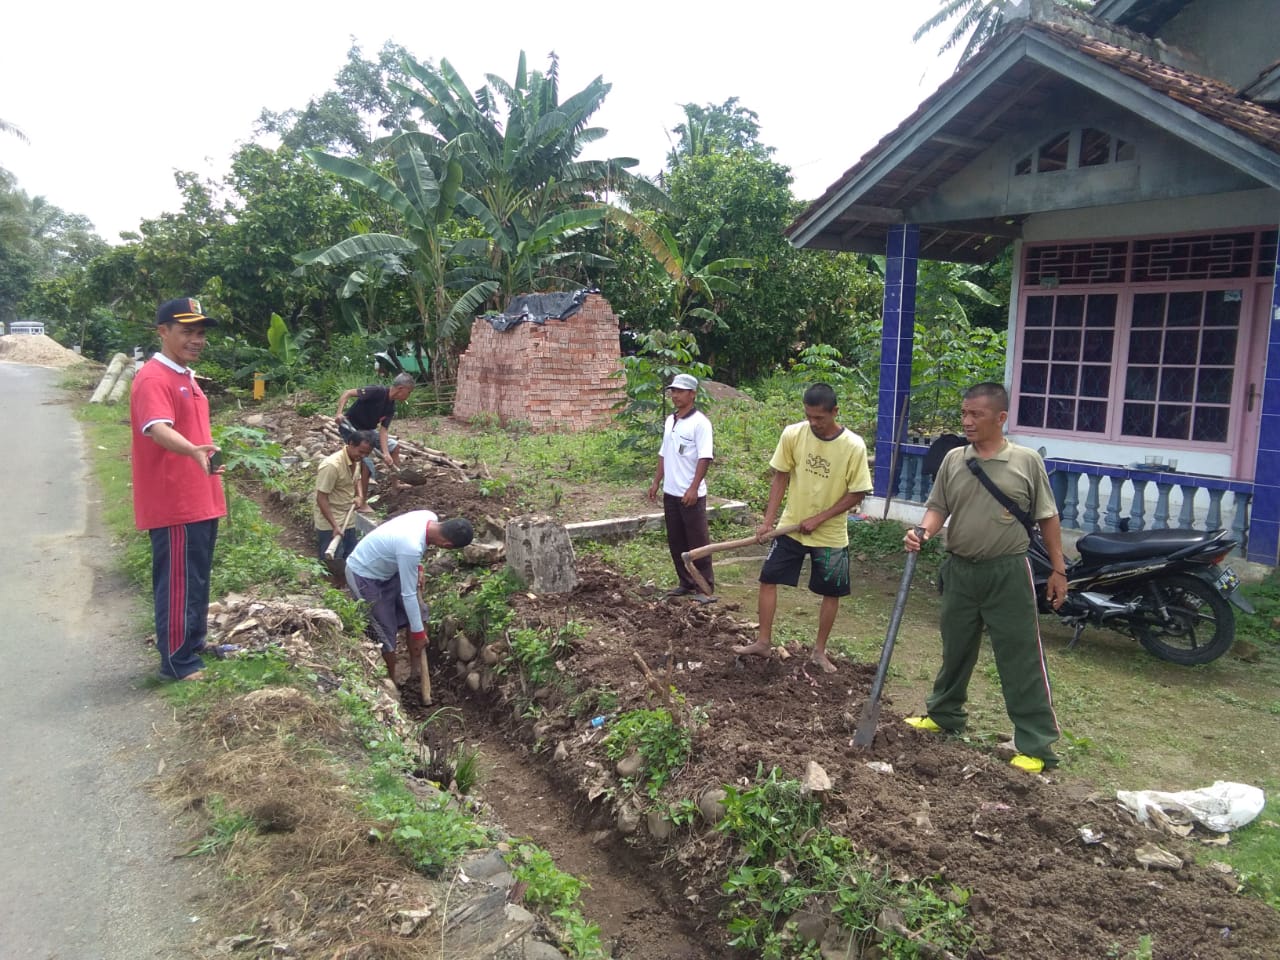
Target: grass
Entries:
(340, 765)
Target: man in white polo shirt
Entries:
(683, 459)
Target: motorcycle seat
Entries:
(1140, 545)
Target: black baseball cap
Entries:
(183, 310)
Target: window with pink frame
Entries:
(1142, 343)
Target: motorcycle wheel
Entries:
(1202, 625)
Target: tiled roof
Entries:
(940, 156)
(1206, 96)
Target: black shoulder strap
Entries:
(1001, 497)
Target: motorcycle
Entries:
(1167, 589)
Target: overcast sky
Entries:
(117, 96)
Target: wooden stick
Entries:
(699, 552)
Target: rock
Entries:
(537, 950)
(237, 942)
(711, 804)
(484, 552)
(561, 754)
(485, 865)
(629, 766)
(660, 828)
(815, 780)
(1152, 857)
(811, 926)
(466, 649)
(1006, 750)
(540, 554)
(628, 819)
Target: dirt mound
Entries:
(1040, 884)
(37, 350)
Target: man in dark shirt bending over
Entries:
(373, 409)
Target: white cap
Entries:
(682, 381)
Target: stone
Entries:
(628, 819)
(815, 780)
(485, 865)
(537, 950)
(484, 553)
(629, 765)
(466, 649)
(540, 555)
(811, 926)
(711, 804)
(660, 828)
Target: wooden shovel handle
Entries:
(332, 550)
(699, 552)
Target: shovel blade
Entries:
(867, 724)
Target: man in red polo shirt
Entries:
(177, 493)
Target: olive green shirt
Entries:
(980, 528)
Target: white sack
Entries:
(1222, 807)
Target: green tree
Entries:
(349, 118)
(791, 297)
(713, 128)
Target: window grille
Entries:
(1205, 257)
(1076, 263)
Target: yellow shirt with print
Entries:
(822, 471)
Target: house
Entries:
(1131, 157)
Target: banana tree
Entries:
(523, 180)
(695, 284)
(439, 268)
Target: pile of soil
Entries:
(37, 350)
(946, 810)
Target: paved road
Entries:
(86, 855)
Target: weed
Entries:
(557, 892)
(432, 834)
(492, 486)
(662, 743)
(594, 702)
(225, 828)
(241, 674)
(351, 611)
(466, 769)
(536, 651)
(482, 612)
(787, 857)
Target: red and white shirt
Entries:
(170, 489)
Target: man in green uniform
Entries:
(821, 468)
(986, 579)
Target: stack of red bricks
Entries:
(558, 375)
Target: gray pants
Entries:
(386, 607)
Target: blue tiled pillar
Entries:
(902, 251)
(1264, 514)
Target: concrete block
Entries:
(540, 554)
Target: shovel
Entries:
(866, 731)
(331, 550)
(699, 552)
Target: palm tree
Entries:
(7, 127)
(984, 18)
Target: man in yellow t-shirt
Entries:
(821, 468)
